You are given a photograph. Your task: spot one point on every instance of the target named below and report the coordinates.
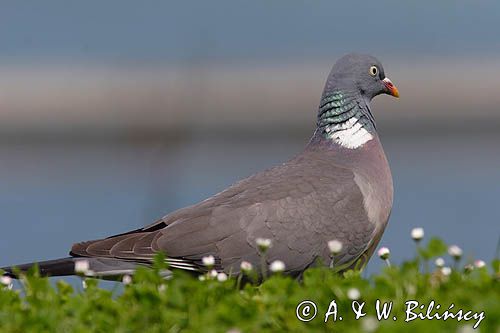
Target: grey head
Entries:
(360, 73)
(344, 114)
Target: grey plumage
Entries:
(339, 187)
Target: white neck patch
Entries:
(350, 134)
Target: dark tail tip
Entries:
(57, 267)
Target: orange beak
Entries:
(391, 88)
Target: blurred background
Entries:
(114, 113)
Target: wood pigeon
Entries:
(338, 188)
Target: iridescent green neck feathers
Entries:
(345, 119)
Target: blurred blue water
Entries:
(53, 195)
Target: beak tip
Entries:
(391, 88)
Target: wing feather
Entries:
(300, 206)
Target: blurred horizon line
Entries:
(40, 102)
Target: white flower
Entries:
(277, 266)
(468, 268)
(446, 271)
(213, 273)
(263, 244)
(201, 277)
(439, 262)
(353, 294)
(6, 281)
(162, 288)
(234, 330)
(384, 253)
(208, 261)
(246, 266)
(411, 289)
(335, 246)
(455, 252)
(369, 324)
(221, 277)
(127, 279)
(479, 263)
(466, 329)
(417, 234)
(82, 266)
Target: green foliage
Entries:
(435, 247)
(184, 303)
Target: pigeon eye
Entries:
(373, 71)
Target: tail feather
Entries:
(57, 267)
(99, 267)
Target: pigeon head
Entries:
(360, 73)
(344, 114)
